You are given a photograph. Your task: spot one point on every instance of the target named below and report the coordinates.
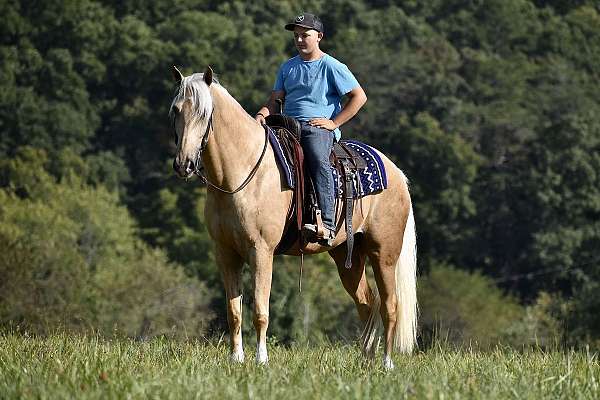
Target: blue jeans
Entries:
(317, 144)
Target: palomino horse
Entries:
(246, 210)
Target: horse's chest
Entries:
(238, 221)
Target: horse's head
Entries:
(191, 112)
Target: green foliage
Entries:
(71, 259)
(490, 108)
(543, 325)
(581, 314)
(460, 307)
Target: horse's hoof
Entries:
(388, 364)
(262, 361)
(237, 357)
(262, 357)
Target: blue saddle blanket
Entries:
(368, 180)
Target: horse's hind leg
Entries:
(354, 279)
(383, 257)
(231, 265)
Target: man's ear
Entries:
(208, 75)
(177, 75)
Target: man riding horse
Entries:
(247, 206)
(311, 85)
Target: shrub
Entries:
(465, 308)
(71, 258)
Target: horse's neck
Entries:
(235, 143)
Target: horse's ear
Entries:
(208, 75)
(177, 75)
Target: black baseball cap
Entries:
(306, 20)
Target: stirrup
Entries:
(327, 242)
(323, 233)
(323, 236)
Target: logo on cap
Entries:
(300, 18)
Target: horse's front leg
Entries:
(230, 264)
(262, 265)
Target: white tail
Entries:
(406, 289)
(406, 295)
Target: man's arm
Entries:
(271, 107)
(357, 98)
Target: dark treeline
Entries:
(491, 107)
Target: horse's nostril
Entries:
(189, 167)
(175, 165)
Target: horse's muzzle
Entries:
(184, 170)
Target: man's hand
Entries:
(323, 123)
(271, 107)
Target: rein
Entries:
(198, 170)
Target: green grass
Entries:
(64, 366)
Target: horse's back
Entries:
(389, 209)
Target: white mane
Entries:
(195, 89)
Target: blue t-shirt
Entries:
(314, 89)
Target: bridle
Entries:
(198, 166)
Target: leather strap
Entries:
(248, 178)
(348, 196)
(299, 176)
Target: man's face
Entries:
(306, 40)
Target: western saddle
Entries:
(304, 208)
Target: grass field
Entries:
(65, 366)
